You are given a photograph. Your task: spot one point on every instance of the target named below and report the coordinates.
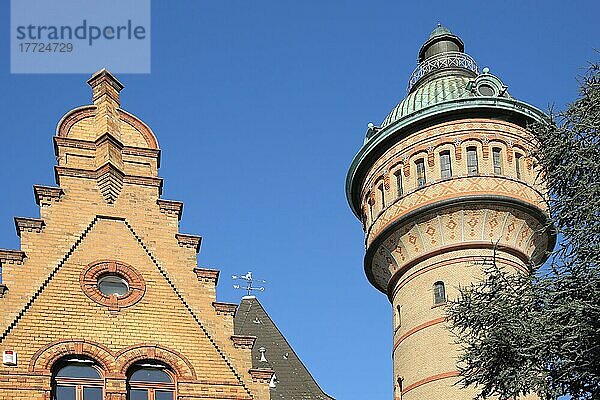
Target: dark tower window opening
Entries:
(381, 196)
(496, 153)
(445, 165)
(472, 163)
(398, 316)
(518, 164)
(398, 175)
(77, 379)
(420, 172)
(439, 293)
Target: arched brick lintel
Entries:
(45, 357)
(180, 365)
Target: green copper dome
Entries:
(445, 88)
(439, 31)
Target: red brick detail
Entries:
(189, 241)
(72, 143)
(225, 308)
(74, 116)
(140, 127)
(28, 224)
(243, 342)
(170, 207)
(407, 169)
(417, 329)
(144, 181)
(11, 257)
(109, 137)
(261, 375)
(89, 284)
(140, 151)
(80, 113)
(43, 360)
(445, 375)
(46, 195)
(207, 275)
(431, 159)
(146, 351)
(3, 290)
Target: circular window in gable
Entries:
(112, 283)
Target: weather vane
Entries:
(249, 281)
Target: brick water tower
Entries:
(446, 179)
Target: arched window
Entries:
(497, 159)
(439, 293)
(398, 175)
(420, 172)
(77, 379)
(472, 163)
(445, 165)
(381, 196)
(150, 380)
(518, 164)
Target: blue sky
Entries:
(259, 108)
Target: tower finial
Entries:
(104, 83)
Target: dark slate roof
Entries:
(293, 381)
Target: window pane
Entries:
(439, 293)
(163, 395)
(113, 284)
(138, 394)
(420, 173)
(65, 393)
(382, 195)
(92, 393)
(497, 161)
(472, 161)
(150, 375)
(399, 183)
(77, 370)
(446, 167)
(518, 165)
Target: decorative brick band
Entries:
(467, 245)
(170, 207)
(11, 257)
(243, 342)
(261, 375)
(445, 375)
(189, 241)
(28, 224)
(417, 329)
(225, 308)
(46, 195)
(89, 283)
(207, 275)
(471, 259)
(3, 290)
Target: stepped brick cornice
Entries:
(29, 225)
(170, 207)
(224, 308)
(190, 241)
(207, 275)
(46, 195)
(262, 375)
(243, 341)
(11, 257)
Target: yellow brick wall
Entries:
(45, 312)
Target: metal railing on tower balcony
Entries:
(450, 59)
